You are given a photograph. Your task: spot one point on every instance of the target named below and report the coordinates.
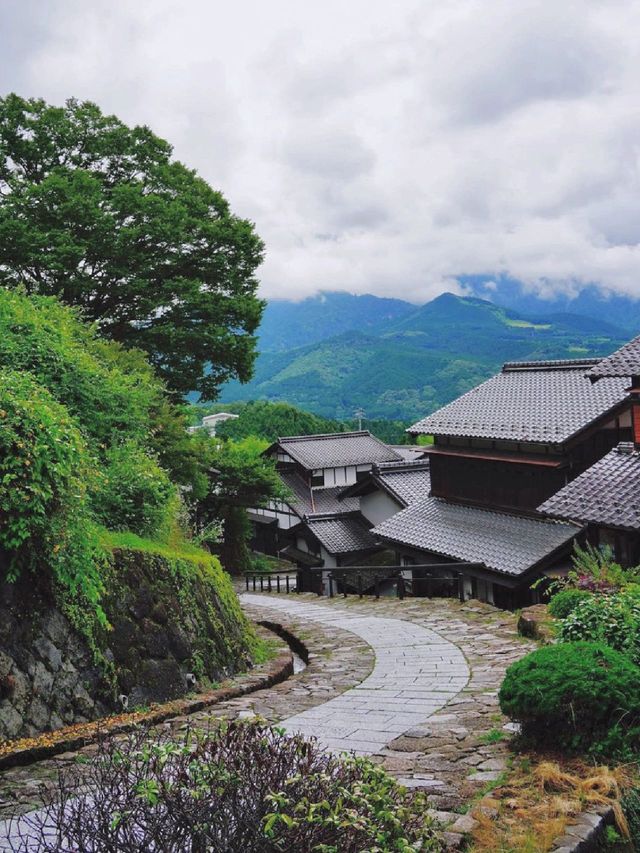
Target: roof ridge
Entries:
(551, 364)
(321, 435)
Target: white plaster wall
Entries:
(378, 507)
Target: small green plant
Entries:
(492, 736)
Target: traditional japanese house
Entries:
(606, 497)
(315, 469)
(498, 451)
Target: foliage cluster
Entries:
(579, 696)
(98, 214)
(44, 470)
(611, 619)
(239, 786)
(81, 422)
(595, 570)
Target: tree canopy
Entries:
(98, 214)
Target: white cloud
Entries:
(379, 147)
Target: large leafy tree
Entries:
(98, 213)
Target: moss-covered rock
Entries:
(172, 611)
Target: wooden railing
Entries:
(428, 580)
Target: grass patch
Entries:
(266, 650)
(493, 736)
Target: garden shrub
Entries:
(610, 619)
(564, 601)
(573, 696)
(239, 786)
(134, 492)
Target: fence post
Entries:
(330, 585)
(461, 587)
(377, 587)
(261, 583)
(287, 583)
(344, 587)
(269, 583)
(401, 587)
(246, 580)
(277, 583)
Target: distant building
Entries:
(314, 526)
(210, 422)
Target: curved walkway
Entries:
(416, 673)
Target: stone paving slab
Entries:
(416, 672)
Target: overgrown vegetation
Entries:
(239, 786)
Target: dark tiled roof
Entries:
(546, 402)
(608, 493)
(334, 449)
(342, 534)
(408, 481)
(308, 500)
(409, 452)
(624, 362)
(509, 544)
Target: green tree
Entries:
(98, 214)
(239, 478)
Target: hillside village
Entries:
(512, 481)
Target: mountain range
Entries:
(334, 353)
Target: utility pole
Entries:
(360, 415)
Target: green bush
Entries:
(134, 493)
(564, 601)
(610, 619)
(574, 696)
(44, 471)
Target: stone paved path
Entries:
(453, 753)
(416, 673)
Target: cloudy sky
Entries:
(381, 146)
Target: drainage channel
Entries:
(299, 651)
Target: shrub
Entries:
(595, 570)
(573, 695)
(239, 786)
(610, 619)
(564, 601)
(134, 493)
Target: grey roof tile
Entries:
(608, 493)
(545, 402)
(307, 500)
(509, 544)
(624, 362)
(342, 534)
(335, 449)
(408, 481)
